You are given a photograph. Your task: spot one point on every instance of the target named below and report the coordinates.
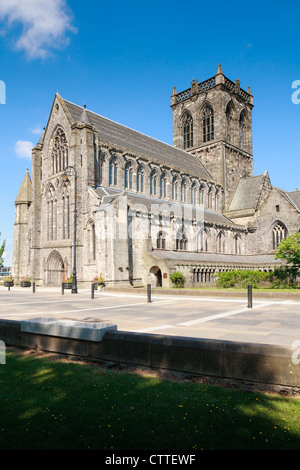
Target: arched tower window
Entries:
(208, 124)
(230, 122)
(59, 152)
(187, 122)
(279, 232)
(243, 123)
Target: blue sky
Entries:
(123, 58)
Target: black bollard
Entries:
(62, 289)
(250, 304)
(33, 287)
(92, 291)
(149, 293)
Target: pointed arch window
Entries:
(181, 242)
(183, 190)
(208, 124)
(163, 185)
(243, 129)
(230, 121)
(60, 159)
(140, 180)
(153, 183)
(201, 195)
(175, 188)
(188, 138)
(113, 171)
(221, 242)
(161, 241)
(279, 232)
(128, 175)
(193, 193)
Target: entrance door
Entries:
(55, 269)
(155, 277)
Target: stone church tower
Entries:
(213, 120)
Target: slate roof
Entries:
(109, 195)
(199, 257)
(247, 193)
(293, 197)
(136, 142)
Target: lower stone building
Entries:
(137, 209)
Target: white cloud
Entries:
(37, 130)
(23, 149)
(45, 24)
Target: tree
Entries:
(2, 247)
(289, 251)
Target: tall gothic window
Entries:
(183, 190)
(243, 129)
(113, 171)
(140, 180)
(279, 233)
(128, 175)
(153, 183)
(66, 216)
(201, 195)
(51, 214)
(221, 242)
(174, 188)
(59, 152)
(163, 185)
(208, 124)
(193, 193)
(230, 121)
(187, 121)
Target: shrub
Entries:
(242, 278)
(178, 279)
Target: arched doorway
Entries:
(55, 273)
(155, 277)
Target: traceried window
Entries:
(208, 124)
(279, 233)
(187, 122)
(181, 242)
(221, 242)
(59, 152)
(161, 241)
(243, 129)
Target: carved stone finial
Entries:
(219, 69)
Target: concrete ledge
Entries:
(67, 328)
(265, 365)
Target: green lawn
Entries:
(54, 404)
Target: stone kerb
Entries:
(85, 331)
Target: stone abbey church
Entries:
(145, 209)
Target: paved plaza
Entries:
(268, 322)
